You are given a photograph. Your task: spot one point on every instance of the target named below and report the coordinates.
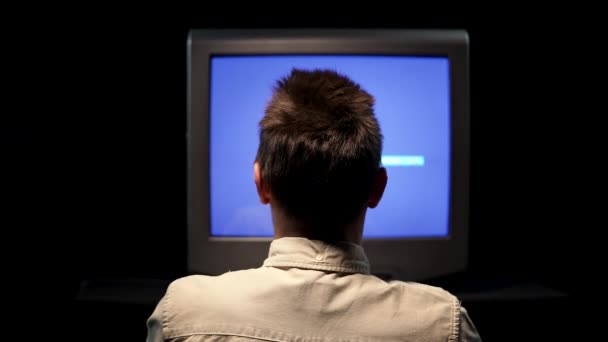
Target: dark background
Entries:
(100, 187)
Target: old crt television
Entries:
(419, 79)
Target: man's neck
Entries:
(284, 227)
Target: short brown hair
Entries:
(320, 146)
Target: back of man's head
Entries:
(320, 148)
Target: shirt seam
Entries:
(262, 338)
(455, 331)
(319, 266)
(175, 333)
(227, 334)
(165, 322)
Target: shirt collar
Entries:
(343, 257)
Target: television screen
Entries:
(412, 105)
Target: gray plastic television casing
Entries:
(400, 258)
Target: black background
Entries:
(98, 140)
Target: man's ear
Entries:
(260, 184)
(378, 187)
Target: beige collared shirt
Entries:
(307, 291)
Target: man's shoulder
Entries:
(440, 300)
(199, 284)
(209, 290)
(433, 308)
(424, 290)
(430, 298)
(202, 303)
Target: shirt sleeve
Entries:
(155, 324)
(468, 332)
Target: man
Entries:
(318, 166)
